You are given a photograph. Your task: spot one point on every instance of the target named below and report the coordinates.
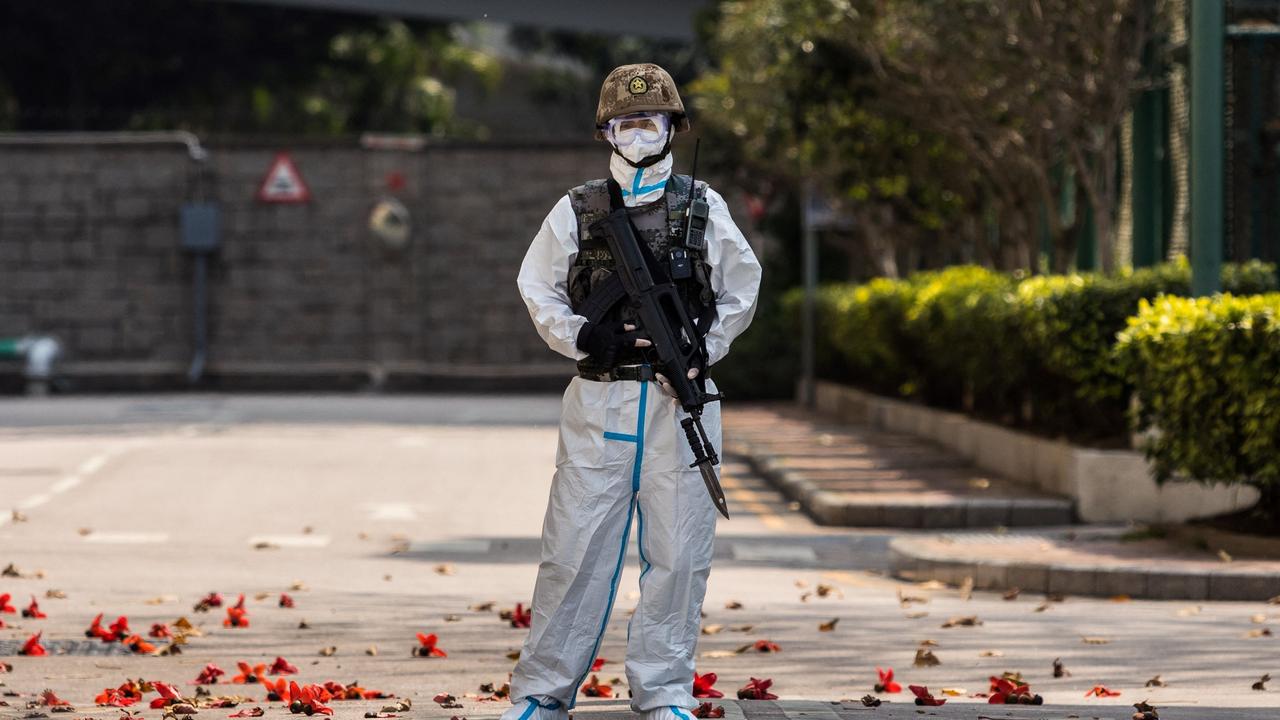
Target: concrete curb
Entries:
(828, 508)
(910, 559)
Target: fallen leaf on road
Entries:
(1011, 593)
(248, 712)
(1156, 682)
(1262, 683)
(49, 698)
(1258, 619)
(1094, 640)
(926, 658)
(452, 618)
(962, 621)
(1224, 556)
(1274, 600)
(757, 689)
(870, 701)
(953, 692)
(445, 700)
(915, 615)
(886, 683)
(991, 653)
(905, 600)
(329, 651)
(1043, 606)
(1101, 691)
(298, 586)
(711, 629)
(1189, 611)
(712, 654)
(1060, 670)
(924, 698)
(444, 569)
(303, 624)
(371, 651)
(932, 584)
(482, 607)
(742, 628)
(928, 642)
(12, 571)
(53, 594)
(824, 590)
(1121, 598)
(1258, 632)
(513, 655)
(1144, 711)
(733, 605)
(829, 625)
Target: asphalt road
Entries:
(399, 515)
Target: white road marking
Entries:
(94, 464)
(126, 538)
(758, 552)
(291, 541)
(65, 484)
(391, 511)
(451, 546)
(35, 501)
(6, 514)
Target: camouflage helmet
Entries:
(643, 87)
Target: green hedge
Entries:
(1033, 352)
(1206, 374)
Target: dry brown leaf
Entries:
(1224, 556)
(954, 692)
(483, 607)
(1274, 601)
(1060, 670)
(1095, 640)
(452, 618)
(1011, 593)
(1043, 606)
(1258, 632)
(711, 629)
(733, 605)
(916, 615)
(804, 597)
(905, 600)
(802, 584)
(1156, 682)
(824, 590)
(928, 642)
(298, 586)
(742, 628)
(329, 651)
(1189, 610)
(445, 569)
(55, 594)
(1258, 619)
(932, 585)
(962, 621)
(372, 650)
(925, 658)
(991, 653)
(513, 655)
(1262, 683)
(829, 625)
(261, 596)
(1121, 598)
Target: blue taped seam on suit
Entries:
(678, 713)
(533, 705)
(619, 436)
(626, 535)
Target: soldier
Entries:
(621, 452)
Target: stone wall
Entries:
(300, 295)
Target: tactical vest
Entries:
(660, 225)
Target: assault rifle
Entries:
(676, 340)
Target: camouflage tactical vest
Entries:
(660, 224)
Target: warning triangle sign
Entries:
(283, 183)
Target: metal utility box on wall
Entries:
(200, 227)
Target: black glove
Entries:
(603, 341)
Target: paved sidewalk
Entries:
(855, 476)
(1103, 561)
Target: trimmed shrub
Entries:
(1206, 374)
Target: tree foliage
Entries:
(928, 120)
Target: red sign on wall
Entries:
(283, 183)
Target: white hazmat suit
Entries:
(622, 456)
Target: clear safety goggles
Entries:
(625, 130)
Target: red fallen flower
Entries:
(209, 675)
(168, 694)
(1, 622)
(277, 691)
(597, 664)
(1003, 688)
(285, 600)
(428, 646)
(250, 712)
(33, 610)
(249, 674)
(594, 688)
(1102, 691)
(138, 645)
(32, 646)
(924, 698)
(311, 700)
(212, 600)
(118, 630)
(520, 618)
(49, 698)
(702, 686)
(160, 630)
(282, 667)
(237, 615)
(5, 607)
(886, 684)
(706, 710)
(765, 646)
(123, 696)
(756, 690)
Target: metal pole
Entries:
(1207, 187)
(810, 277)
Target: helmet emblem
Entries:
(638, 86)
